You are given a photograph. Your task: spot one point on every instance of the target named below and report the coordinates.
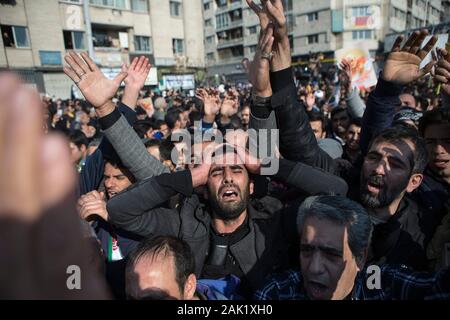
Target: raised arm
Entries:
(99, 91)
(401, 68)
(442, 76)
(297, 141)
(356, 105)
(140, 209)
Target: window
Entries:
(210, 56)
(252, 49)
(360, 11)
(175, 8)
(142, 43)
(314, 38)
(16, 37)
(119, 4)
(222, 20)
(287, 5)
(206, 6)
(362, 34)
(208, 23)
(313, 16)
(210, 39)
(139, 5)
(73, 40)
(253, 30)
(178, 46)
(398, 13)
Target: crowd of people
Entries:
(361, 188)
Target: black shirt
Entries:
(220, 261)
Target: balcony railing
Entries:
(230, 43)
(229, 7)
(230, 25)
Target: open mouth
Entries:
(374, 187)
(317, 290)
(440, 163)
(229, 194)
(112, 193)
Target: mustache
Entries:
(376, 180)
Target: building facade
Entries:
(231, 34)
(320, 26)
(328, 25)
(37, 33)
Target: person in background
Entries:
(78, 149)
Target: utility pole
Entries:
(87, 19)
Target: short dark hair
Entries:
(236, 122)
(172, 116)
(115, 161)
(78, 138)
(158, 124)
(194, 116)
(343, 211)
(404, 132)
(165, 149)
(435, 116)
(316, 116)
(338, 110)
(142, 126)
(166, 246)
(356, 121)
(153, 143)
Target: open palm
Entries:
(137, 72)
(210, 99)
(403, 65)
(402, 68)
(95, 87)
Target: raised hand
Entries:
(442, 72)
(95, 87)
(137, 72)
(211, 101)
(35, 169)
(346, 70)
(259, 71)
(230, 103)
(272, 11)
(200, 173)
(261, 12)
(403, 64)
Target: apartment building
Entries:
(446, 10)
(37, 33)
(328, 25)
(231, 29)
(231, 33)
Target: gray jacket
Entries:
(131, 149)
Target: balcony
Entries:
(222, 44)
(230, 25)
(229, 7)
(230, 60)
(110, 57)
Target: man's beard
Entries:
(229, 210)
(385, 196)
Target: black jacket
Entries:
(403, 239)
